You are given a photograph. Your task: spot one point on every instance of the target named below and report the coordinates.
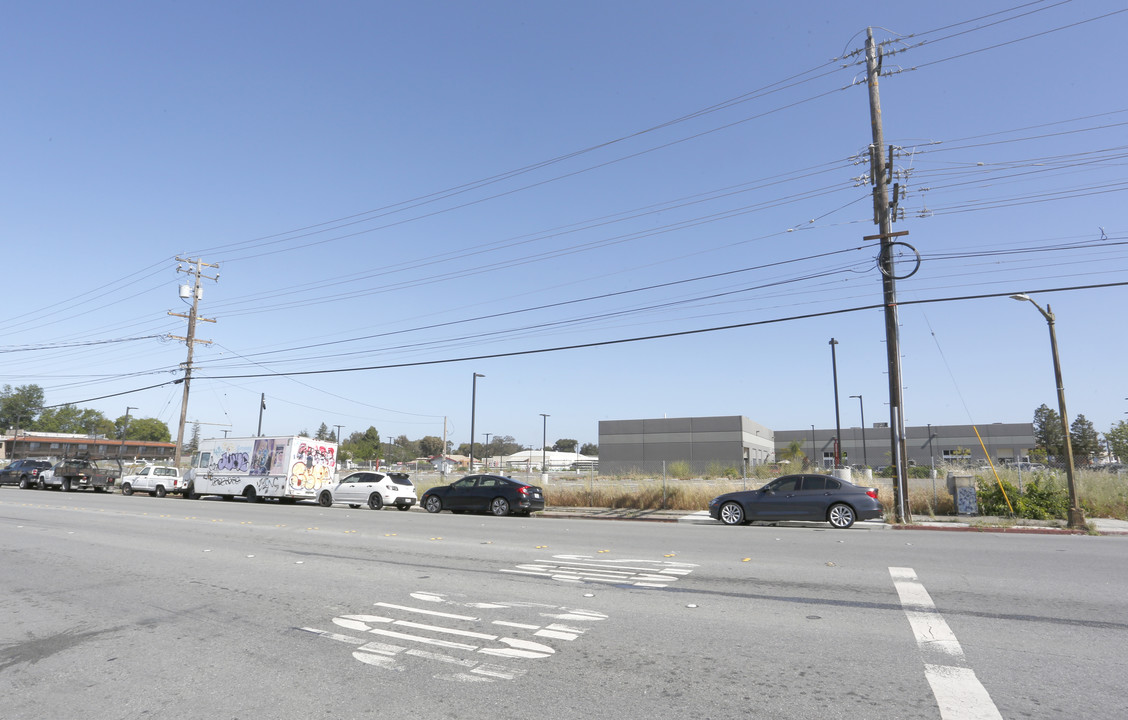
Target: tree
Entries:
(194, 440)
(322, 432)
(1085, 439)
(1117, 437)
(430, 446)
(20, 406)
(1048, 434)
(69, 419)
(366, 446)
(150, 429)
(590, 449)
(504, 445)
(794, 453)
(565, 445)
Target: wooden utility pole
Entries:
(883, 219)
(195, 269)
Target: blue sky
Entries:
(400, 186)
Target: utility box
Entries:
(962, 488)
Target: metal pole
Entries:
(473, 404)
(262, 406)
(813, 447)
(544, 444)
(862, 408)
(1076, 518)
(932, 464)
(837, 422)
(124, 429)
(487, 450)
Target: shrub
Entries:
(1042, 499)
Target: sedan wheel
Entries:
(433, 504)
(375, 501)
(499, 507)
(325, 499)
(840, 516)
(126, 489)
(732, 513)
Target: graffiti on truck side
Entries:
(233, 461)
(313, 467)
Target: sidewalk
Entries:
(1103, 526)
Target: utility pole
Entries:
(837, 421)
(195, 269)
(884, 220)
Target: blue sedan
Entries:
(818, 498)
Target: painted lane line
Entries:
(421, 611)
(958, 692)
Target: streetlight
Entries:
(1076, 518)
(544, 443)
(124, 428)
(473, 402)
(837, 423)
(813, 448)
(487, 450)
(865, 458)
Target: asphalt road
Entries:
(140, 607)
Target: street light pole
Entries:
(473, 404)
(837, 422)
(124, 429)
(544, 443)
(865, 458)
(1076, 518)
(813, 448)
(487, 450)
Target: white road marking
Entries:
(958, 692)
(584, 568)
(389, 656)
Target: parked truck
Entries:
(78, 473)
(287, 468)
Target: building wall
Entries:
(1004, 441)
(645, 446)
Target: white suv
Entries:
(374, 489)
(157, 480)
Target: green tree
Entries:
(1117, 437)
(1048, 433)
(194, 439)
(150, 429)
(1084, 439)
(794, 453)
(322, 432)
(504, 445)
(590, 449)
(366, 446)
(430, 446)
(70, 419)
(565, 445)
(20, 406)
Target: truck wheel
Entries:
(126, 489)
(161, 492)
(65, 485)
(40, 485)
(190, 494)
(251, 495)
(24, 483)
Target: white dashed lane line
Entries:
(958, 691)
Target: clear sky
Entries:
(400, 186)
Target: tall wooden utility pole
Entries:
(884, 221)
(195, 269)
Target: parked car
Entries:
(375, 489)
(81, 473)
(479, 493)
(157, 480)
(24, 473)
(818, 498)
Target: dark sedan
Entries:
(818, 498)
(477, 493)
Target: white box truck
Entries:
(288, 468)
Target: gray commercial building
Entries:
(713, 444)
(1005, 442)
(705, 443)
